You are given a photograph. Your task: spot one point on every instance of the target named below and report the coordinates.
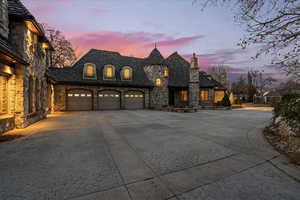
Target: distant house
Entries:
(269, 97)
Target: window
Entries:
(204, 95)
(90, 71)
(219, 95)
(183, 95)
(126, 73)
(30, 94)
(158, 82)
(109, 72)
(166, 72)
(3, 95)
(37, 95)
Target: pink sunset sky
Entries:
(133, 27)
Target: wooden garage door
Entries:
(79, 100)
(134, 100)
(109, 100)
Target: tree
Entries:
(239, 87)
(231, 98)
(220, 74)
(64, 54)
(225, 101)
(273, 26)
(260, 81)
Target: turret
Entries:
(156, 70)
(194, 82)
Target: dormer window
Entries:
(126, 73)
(166, 72)
(109, 72)
(89, 71)
(158, 82)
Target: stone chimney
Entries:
(4, 31)
(194, 82)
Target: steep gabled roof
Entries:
(155, 58)
(18, 10)
(101, 58)
(178, 71)
(207, 81)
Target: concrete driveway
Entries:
(215, 155)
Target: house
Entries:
(24, 58)
(106, 80)
(268, 97)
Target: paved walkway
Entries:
(139, 155)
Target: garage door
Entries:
(134, 100)
(109, 100)
(79, 100)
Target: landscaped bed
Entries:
(284, 132)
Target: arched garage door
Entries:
(134, 100)
(109, 100)
(79, 100)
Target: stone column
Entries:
(194, 83)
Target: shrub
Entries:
(289, 110)
(225, 101)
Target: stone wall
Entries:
(33, 52)
(194, 83)
(159, 95)
(6, 124)
(60, 95)
(4, 19)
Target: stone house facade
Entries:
(105, 80)
(24, 58)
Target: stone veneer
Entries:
(194, 83)
(36, 56)
(4, 19)
(60, 95)
(159, 95)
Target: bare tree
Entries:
(220, 74)
(261, 81)
(64, 54)
(273, 25)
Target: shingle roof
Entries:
(18, 10)
(9, 50)
(101, 58)
(206, 81)
(178, 70)
(155, 58)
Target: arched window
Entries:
(126, 73)
(166, 72)
(89, 71)
(158, 82)
(109, 72)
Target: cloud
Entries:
(137, 44)
(43, 10)
(97, 11)
(224, 56)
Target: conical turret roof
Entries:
(155, 58)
